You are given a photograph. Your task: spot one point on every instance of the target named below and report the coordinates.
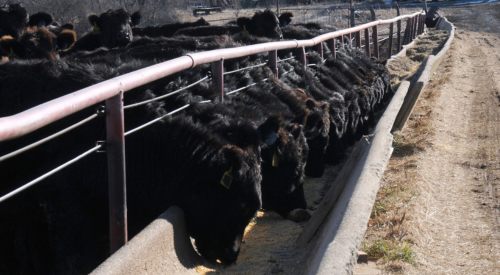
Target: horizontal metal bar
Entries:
(165, 96)
(42, 141)
(156, 120)
(44, 176)
(246, 68)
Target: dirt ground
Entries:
(446, 164)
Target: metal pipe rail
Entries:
(112, 91)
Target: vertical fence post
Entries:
(342, 41)
(399, 36)
(273, 62)
(319, 49)
(391, 40)
(353, 20)
(115, 148)
(350, 39)
(397, 10)
(358, 39)
(331, 45)
(375, 41)
(415, 23)
(218, 77)
(367, 42)
(301, 56)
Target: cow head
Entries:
(13, 19)
(263, 23)
(285, 18)
(114, 27)
(40, 19)
(218, 211)
(36, 43)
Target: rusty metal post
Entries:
(301, 56)
(375, 41)
(399, 36)
(353, 19)
(319, 49)
(367, 42)
(218, 77)
(331, 45)
(358, 39)
(273, 62)
(391, 40)
(415, 23)
(115, 148)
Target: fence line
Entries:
(112, 91)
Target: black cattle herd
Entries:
(219, 161)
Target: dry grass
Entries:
(389, 238)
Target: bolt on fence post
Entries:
(375, 41)
(399, 36)
(367, 43)
(358, 39)
(115, 148)
(301, 56)
(331, 45)
(218, 77)
(319, 49)
(273, 62)
(391, 34)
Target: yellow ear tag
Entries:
(12, 54)
(96, 29)
(245, 32)
(276, 159)
(227, 178)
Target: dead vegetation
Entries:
(389, 239)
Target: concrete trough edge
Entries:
(335, 246)
(164, 247)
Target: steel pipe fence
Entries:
(111, 91)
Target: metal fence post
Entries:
(353, 20)
(115, 148)
(358, 39)
(399, 36)
(331, 45)
(391, 40)
(319, 49)
(375, 41)
(218, 77)
(415, 23)
(367, 42)
(301, 56)
(273, 62)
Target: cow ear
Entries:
(136, 18)
(94, 20)
(234, 164)
(310, 104)
(66, 39)
(297, 129)
(68, 26)
(40, 19)
(11, 46)
(269, 129)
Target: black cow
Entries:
(110, 29)
(262, 24)
(13, 19)
(167, 30)
(36, 42)
(68, 211)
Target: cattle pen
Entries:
(112, 91)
